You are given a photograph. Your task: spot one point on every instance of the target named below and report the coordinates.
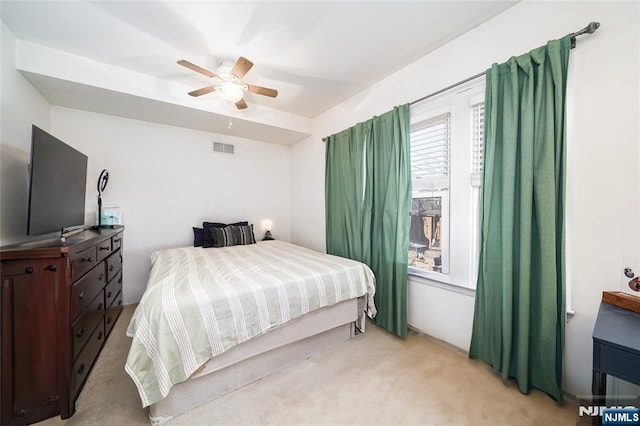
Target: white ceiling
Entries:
(316, 53)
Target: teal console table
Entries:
(616, 350)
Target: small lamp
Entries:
(267, 231)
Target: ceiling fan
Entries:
(229, 84)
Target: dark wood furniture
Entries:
(616, 349)
(59, 303)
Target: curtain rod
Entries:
(589, 29)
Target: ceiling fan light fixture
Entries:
(230, 91)
(229, 85)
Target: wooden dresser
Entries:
(59, 303)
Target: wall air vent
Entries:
(224, 148)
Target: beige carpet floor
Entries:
(374, 379)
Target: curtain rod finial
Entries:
(589, 29)
(592, 27)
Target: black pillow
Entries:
(198, 235)
(207, 239)
(243, 234)
(206, 225)
(243, 223)
(223, 237)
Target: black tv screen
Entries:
(57, 185)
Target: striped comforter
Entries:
(201, 302)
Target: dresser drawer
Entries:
(112, 289)
(82, 262)
(30, 266)
(83, 364)
(112, 313)
(86, 323)
(116, 242)
(114, 264)
(104, 249)
(86, 289)
(93, 313)
(619, 362)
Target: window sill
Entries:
(438, 280)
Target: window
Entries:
(430, 181)
(477, 142)
(477, 166)
(446, 167)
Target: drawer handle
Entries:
(109, 294)
(120, 302)
(81, 295)
(52, 268)
(120, 280)
(80, 332)
(81, 369)
(21, 413)
(117, 240)
(88, 259)
(109, 320)
(52, 399)
(29, 270)
(101, 276)
(100, 336)
(111, 268)
(99, 308)
(105, 248)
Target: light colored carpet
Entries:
(374, 379)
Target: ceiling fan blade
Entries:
(241, 67)
(202, 91)
(196, 68)
(241, 104)
(259, 90)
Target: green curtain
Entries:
(519, 319)
(344, 194)
(368, 196)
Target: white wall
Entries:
(20, 107)
(167, 179)
(604, 179)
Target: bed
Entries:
(213, 320)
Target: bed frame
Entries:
(265, 354)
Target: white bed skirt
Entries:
(265, 354)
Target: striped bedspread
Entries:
(201, 302)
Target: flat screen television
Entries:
(57, 185)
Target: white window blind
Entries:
(430, 152)
(477, 142)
